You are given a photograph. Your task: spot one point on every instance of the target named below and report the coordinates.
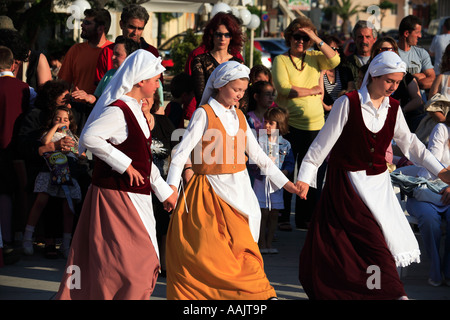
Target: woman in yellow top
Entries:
(296, 77)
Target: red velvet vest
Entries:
(138, 148)
(360, 149)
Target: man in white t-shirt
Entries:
(438, 45)
(417, 59)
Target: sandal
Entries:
(285, 226)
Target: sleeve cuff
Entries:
(308, 174)
(118, 161)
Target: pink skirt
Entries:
(111, 256)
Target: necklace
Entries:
(292, 60)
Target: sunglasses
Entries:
(334, 48)
(299, 37)
(387, 49)
(220, 35)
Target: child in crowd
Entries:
(45, 186)
(212, 250)
(182, 90)
(279, 151)
(260, 73)
(261, 98)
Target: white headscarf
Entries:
(224, 73)
(383, 63)
(138, 66)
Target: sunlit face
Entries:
(150, 86)
(412, 37)
(364, 41)
(266, 97)
(299, 41)
(63, 99)
(222, 38)
(119, 55)
(133, 29)
(230, 94)
(270, 126)
(386, 84)
(62, 117)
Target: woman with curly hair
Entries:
(222, 40)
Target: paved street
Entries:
(37, 278)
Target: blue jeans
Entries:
(429, 219)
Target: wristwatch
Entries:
(320, 44)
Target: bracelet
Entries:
(187, 168)
(320, 44)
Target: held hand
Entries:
(65, 144)
(134, 175)
(171, 201)
(445, 199)
(444, 175)
(303, 189)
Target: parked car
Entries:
(273, 46)
(435, 27)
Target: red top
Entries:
(14, 100)
(360, 149)
(138, 148)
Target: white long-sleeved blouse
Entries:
(111, 126)
(234, 188)
(375, 190)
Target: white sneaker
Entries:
(28, 247)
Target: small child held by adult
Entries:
(46, 187)
(279, 151)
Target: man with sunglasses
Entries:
(364, 37)
(132, 22)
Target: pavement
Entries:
(37, 278)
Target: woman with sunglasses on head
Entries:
(222, 39)
(408, 92)
(296, 76)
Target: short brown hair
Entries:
(6, 58)
(301, 22)
(280, 116)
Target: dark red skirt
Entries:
(345, 255)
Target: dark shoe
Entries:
(285, 226)
(50, 252)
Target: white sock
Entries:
(28, 234)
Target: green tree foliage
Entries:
(180, 50)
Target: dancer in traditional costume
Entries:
(114, 253)
(212, 249)
(359, 234)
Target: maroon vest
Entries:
(138, 148)
(360, 149)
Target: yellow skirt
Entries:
(211, 254)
